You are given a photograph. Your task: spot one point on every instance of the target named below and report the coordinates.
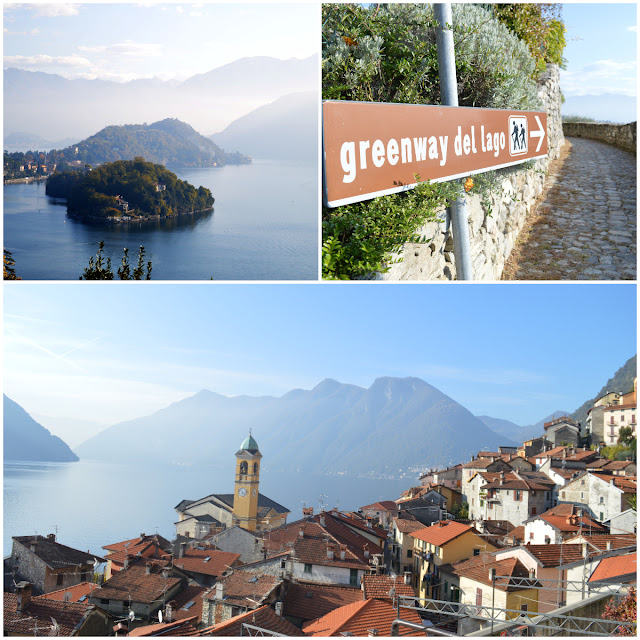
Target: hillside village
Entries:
(529, 540)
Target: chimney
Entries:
(502, 477)
(51, 537)
(301, 532)
(343, 551)
(142, 536)
(168, 612)
(372, 633)
(23, 589)
(532, 574)
(278, 609)
(147, 568)
(219, 590)
(608, 545)
(366, 551)
(323, 522)
(584, 549)
(126, 561)
(33, 545)
(407, 577)
(183, 546)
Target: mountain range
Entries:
(53, 107)
(26, 440)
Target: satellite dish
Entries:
(96, 564)
(159, 615)
(132, 615)
(55, 627)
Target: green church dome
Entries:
(249, 445)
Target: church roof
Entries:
(249, 445)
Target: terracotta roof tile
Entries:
(615, 567)
(573, 523)
(358, 618)
(243, 587)
(477, 568)
(308, 600)
(177, 628)
(441, 533)
(407, 526)
(264, 617)
(136, 584)
(601, 541)
(207, 562)
(54, 554)
(383, 505)
(317, 551)
(517, 533)
(38, 613)
(553, 555)
(75, 592)
(182, 608)
(379, 587)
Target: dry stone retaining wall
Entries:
(493, 235)
(619, 135)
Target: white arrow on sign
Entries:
(538, 134)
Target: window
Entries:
(283, 564)
(601, 516)
(410, 553)
(60, 579)
(518, 495)
(524, 607)
(353, 577)
(533, 511)
(601, 500)
(476, 552)
(307, 568)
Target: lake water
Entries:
(91, 504)
(264, 227)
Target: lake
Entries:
(264, 227)
(90, 504)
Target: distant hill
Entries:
(21, 141)
(515, 432)
(622, 382)
(169, 142)
(607, 107)
(208, 102)
(26, 440)
(286, 129)
(395, 425)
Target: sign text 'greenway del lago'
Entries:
(373, 149)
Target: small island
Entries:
(127, 190)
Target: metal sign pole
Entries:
(449, 92)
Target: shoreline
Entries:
(25, 180)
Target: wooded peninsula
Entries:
(127, 190)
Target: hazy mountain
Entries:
(53, 107)
(284, 129)
(394, 425)
(516, 432)
(26, 440)
(22, 141)
(71, 430)
(622, 382)
(608, 107)
(169, 142)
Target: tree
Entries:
(625, 435)
(9, 273)
(623, 611)
(99, 269)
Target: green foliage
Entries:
(358, 238)
(99, 269)
(387, 53)
(625, 435)
(633, 501)
(9, 273)
(539, 26)
(624, 611)
(95, 194)
(460, 511)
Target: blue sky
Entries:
(126, 41)
(108, 352)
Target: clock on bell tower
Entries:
(245, 497)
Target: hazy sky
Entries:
(126, 41)
(112, 351)
(601, 48)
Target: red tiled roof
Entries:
(523, 480)
(136, 584)
(383, 505)
(477, 568)
(177, 628)
(574, 523)
(517, 533)
(191, 593)
(358, 618)
(307, 600)
(615, 567)
(380, 586)
(441, 533)
(628, 484)
(75, 592)
(244, 588)
(602, 540)
(341, 518)
(264, 617)
(210, 563)
(315, 551)
(478, 463)
(127, 545)
(407, 526)
(39, 612)
(551, 453)
(553, 555)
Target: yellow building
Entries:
(442, 543)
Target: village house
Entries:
(599, 495)
(625, 522)
(425, 511)
(183, 627)
(562, 430)
(24, 615)
(402, 545)
(306, 601)
(237, 540)
(205, 565)
(470, 469)
(263, 618)
(150, 547)
(450, 477)
(559, 524)
(48, 565)
(382, 513)
(442, 543)
(239, 592)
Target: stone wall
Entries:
(493, 229)
(619, 135)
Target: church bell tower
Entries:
(245, 496)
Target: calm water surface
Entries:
(91, 504)
(264, 227)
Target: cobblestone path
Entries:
(583, 226)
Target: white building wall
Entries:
(537, 532)
(324, 574)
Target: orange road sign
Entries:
(372, 149)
